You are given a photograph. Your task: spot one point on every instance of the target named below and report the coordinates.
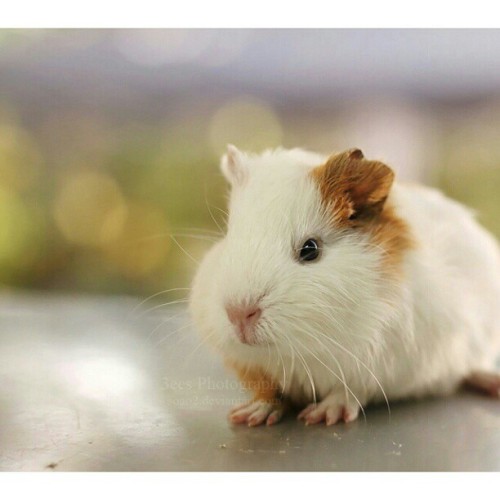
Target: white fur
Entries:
(337, 325)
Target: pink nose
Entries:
(244, 318)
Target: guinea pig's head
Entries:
(310, 250)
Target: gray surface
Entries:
(88, 384)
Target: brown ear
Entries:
(356, 187)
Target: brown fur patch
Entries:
(256, 380)
(355, 191)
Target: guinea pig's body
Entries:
(335, 287)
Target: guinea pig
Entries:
(335, 287)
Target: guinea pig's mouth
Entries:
(250, 336)
(254, 336)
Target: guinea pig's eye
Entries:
(310, 251)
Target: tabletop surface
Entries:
(99, 384)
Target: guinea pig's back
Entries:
(455, 261)
(447, 230)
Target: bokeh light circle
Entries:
(90, 209)
(249, 123)
(143, 245)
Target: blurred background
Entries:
(110, 139)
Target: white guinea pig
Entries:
(335, 287)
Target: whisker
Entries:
(187, 325)
(278, 350)
(203, 237)
(164, 322)
(184, 231)
(179, 301)
(268, 358)
(272, 334)
(309, 375)
(203, 341)
(156, 295)
(292, 367)
(340, 346)
(341, 379)
(223, 212)
(207, 231)
(210, 211)
(184, 250)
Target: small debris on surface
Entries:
(52, 465)
(223, 446)
(393, 452)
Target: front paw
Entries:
(257, 412)
(331, 410)
(487, 382)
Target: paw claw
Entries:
(275, 417)
(487, 382)
(315, 417)
(331, 410)
(332, 416)
(256, 413)
(306, 411)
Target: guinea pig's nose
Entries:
(244, 317)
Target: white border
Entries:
(242, 486)
(248, 14)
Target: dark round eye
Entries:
(309, 251)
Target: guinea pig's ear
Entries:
(358, 187)
(232, 166)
